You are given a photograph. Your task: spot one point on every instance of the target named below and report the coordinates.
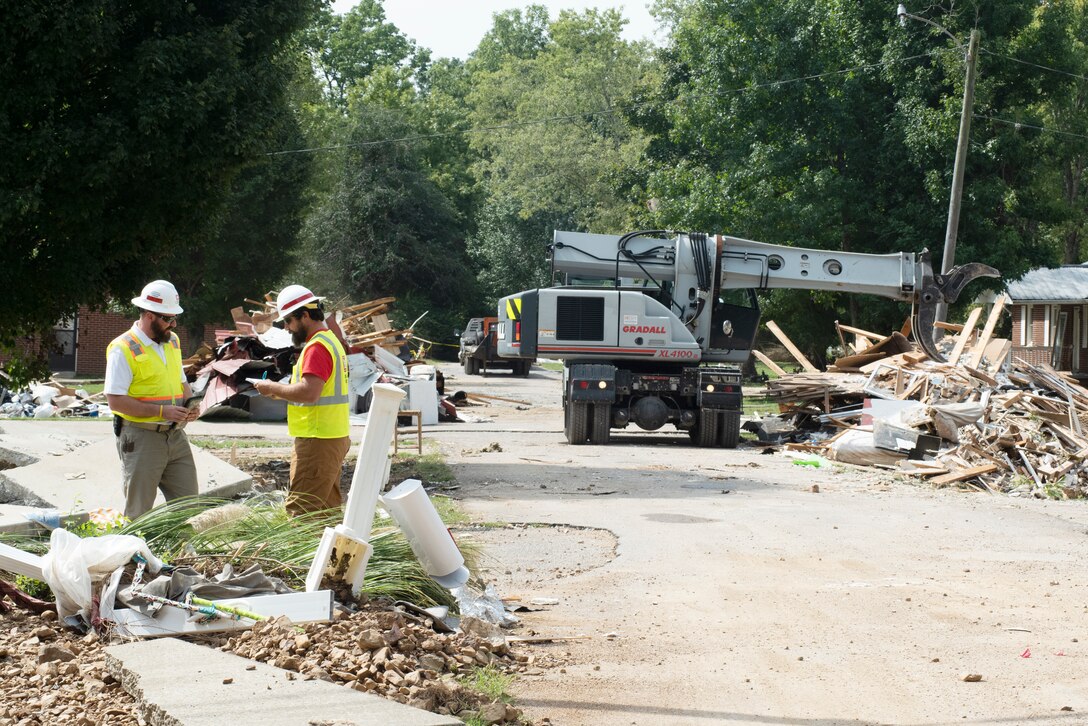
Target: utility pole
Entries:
(948, 260)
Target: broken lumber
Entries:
(964, 336)
(793, 349)
(769, 363)
(991, 322)
(963, 474)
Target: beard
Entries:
(160, 332)
(298, 338)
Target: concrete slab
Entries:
(90, 477)
(182, 684)
(24, 442)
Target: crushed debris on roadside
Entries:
(50, 398)
(983, 419)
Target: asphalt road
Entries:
(716, 587)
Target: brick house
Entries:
(83, 340)
(1049, 308)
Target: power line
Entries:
(601, 112)
(1035, 65)
(1022, 125)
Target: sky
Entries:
(453, 28)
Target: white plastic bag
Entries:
(45, 410)
(73, 565)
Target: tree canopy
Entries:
(146, 142)
(124, 128)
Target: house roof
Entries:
(1067, 283)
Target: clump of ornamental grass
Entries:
(283, 546)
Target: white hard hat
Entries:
(293, 297)
(159, 297)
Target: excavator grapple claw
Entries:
(943, 288)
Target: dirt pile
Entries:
(51, 675)
(391, 654)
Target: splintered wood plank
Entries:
(794, 351)
(964, 335)
(991, 322)
(863, 333)
(769, 363)
(964, 474)
(996, 353)
(368, 304)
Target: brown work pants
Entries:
(153, 460)
(315, 474)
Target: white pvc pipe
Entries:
(372, 466)
(431, 542)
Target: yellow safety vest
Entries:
(327, 418)
(152, 380)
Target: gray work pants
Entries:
(153, 460)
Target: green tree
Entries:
(550, 143)
(827, 125)
(386, 229)
(124, 127)
(514, 33)
(348, 49)
(1058, 38)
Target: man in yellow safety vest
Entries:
(317, 397)
(146, 389)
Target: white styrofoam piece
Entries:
(299, 607)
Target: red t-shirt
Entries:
(317, 361)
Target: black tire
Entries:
(729, 429)
(601, 430)
(577, 422)
(524, 366)
(707, 431)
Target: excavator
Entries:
(654, 326)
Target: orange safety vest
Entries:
(152, 380)
(327, 418)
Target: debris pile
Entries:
(982, 419)
(50, 398)
(256, 349)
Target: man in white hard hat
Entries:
(146, 389)
(317, 414)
